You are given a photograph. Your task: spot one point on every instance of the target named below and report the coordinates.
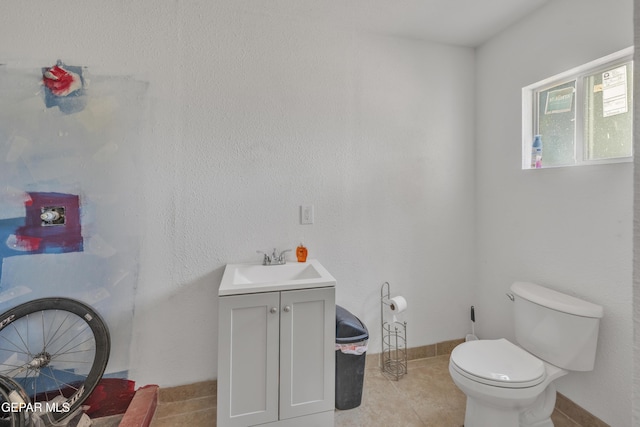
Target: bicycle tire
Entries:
(11, 393)
(36, 361)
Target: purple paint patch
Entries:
(62, 235)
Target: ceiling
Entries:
(458, 22)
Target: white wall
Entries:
(636, 226)
(568, 228)
(252, 115)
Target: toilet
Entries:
(509, 385)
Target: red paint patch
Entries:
(60, 81)
(111, 396)
(28, 243)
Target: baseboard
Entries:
(577, 414)
(188, 391)
(432, 350)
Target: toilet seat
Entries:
(498, 363)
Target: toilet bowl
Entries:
(509, 385)
(505, 385)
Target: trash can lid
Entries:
(349, 328)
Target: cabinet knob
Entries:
(287, 308)
(273, 310)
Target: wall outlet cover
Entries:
(306, 214)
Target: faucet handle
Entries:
(266, 260)
(281, 256)
(281, 259)
(274, 258)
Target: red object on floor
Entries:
(142, 407)
(112, 396)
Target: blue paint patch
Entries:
(71, 103)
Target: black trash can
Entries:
(351, 352)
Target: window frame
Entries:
(530, 109)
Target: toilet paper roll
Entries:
(398, 304)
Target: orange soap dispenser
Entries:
(301, 253)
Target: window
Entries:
(583, 116)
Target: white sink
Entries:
(254, 278)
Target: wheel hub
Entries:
(40, 360)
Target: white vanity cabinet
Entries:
(276, 358)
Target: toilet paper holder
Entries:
(393, 359)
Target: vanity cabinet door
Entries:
(248, 359)
(307, 352)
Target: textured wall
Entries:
(568, 228)
(252, 115)
(636, 226)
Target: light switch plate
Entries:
(306, 214)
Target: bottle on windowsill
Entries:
(536, 152)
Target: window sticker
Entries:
(559, 101)
(614, 92)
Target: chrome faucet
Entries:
(274, 258)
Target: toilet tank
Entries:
(557, 328)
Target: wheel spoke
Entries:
(62, 349)
(54, 347)
(26, 346)
(44, 341)
(58, 381)
(17, 350)
(55, 335)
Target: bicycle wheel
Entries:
(56, 349)
(13, 404)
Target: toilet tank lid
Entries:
(556, 300)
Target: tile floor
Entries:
(426, 396)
